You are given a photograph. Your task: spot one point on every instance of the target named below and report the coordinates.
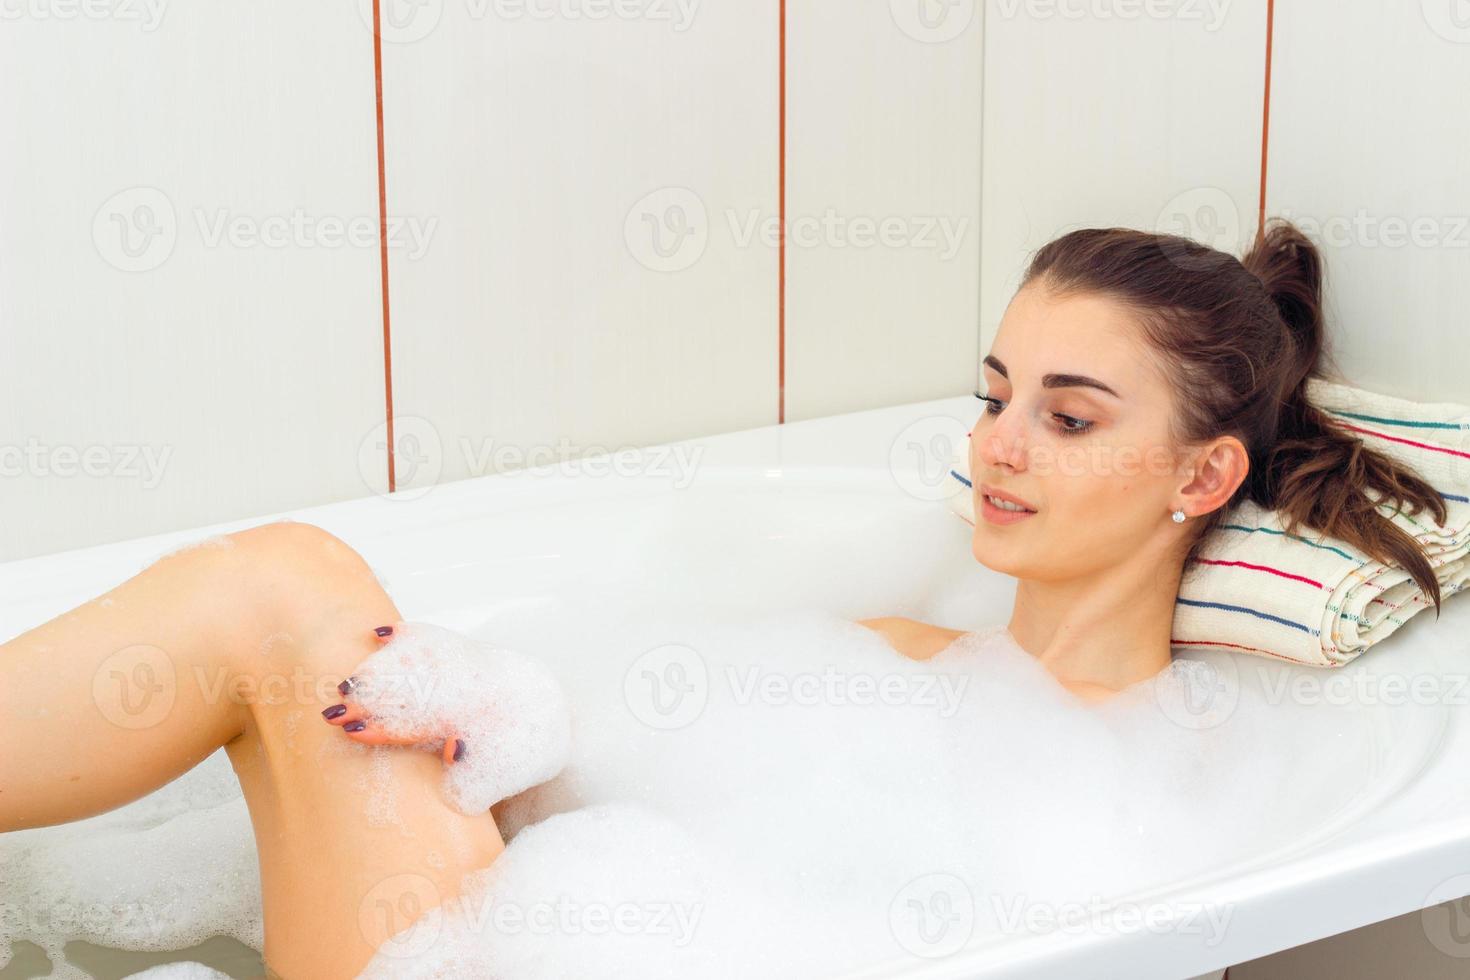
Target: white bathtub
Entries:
(460, 552)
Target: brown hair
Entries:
(1239, 339)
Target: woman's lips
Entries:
(998, 515)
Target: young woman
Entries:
(1139, 385)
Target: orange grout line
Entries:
(781, 217)
(1265, 120)
(383, 241)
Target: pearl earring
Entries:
(1178, 516)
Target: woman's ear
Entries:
(1217, 471)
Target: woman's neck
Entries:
(1106, 630)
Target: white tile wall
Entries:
(584, 287)
(1105, 119)
(159, 370)
(883, 202)
(1370, 152)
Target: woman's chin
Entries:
(992, 554)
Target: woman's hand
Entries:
(357, 724)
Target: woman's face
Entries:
(1078, 430)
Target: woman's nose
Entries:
(999, 441)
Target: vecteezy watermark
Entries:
(400, 915)
(932, 916)
(1445, 916)
(143, 463)
(419, 459)
(1354, 686)
(137, 229)
(943, 234)
(138, 919)
(1365, 229)
(924, 451)
(670, 686)
(1097, 916)
(922, 454)
(1207, 216)
(667, 687)
(831, 686)
(418, 456)
(1450, 19)
(135, 687)
(932, 21)
(668, 230)
(1209, 13)
(408, 21)
(564, 916)
(300, 229)
(147, 14)
(1197, 694)
(567, 458)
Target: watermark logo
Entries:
(667, 230)
(135, 687)
(1209, 13)
(145, 464)
(135, 230)
(1098, 916)
(932, 916)
(392, 916)
(667, 687)
(1450, 19)
(147, 14)
(1446, 916)
(1197, 694)
(1206, 215)
(418, 457)
(402, 21)
(922, 454)
(932, 21)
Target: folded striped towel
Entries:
(1305, 597)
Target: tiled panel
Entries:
(1370, 153)
(1093, 118)
(883, 202)
(189, 317)
(588, 283)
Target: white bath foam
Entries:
(612, 891)
(164, 872)
(179, 971)
(508, 708)
(976, 784)
(979, 768)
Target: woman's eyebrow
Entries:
(1055, 380)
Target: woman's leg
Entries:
(242, 643)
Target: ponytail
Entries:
(1316, 473)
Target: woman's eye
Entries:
(1071, 426)
(993, 406)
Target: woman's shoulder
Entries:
(913, 639)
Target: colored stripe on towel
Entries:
(1233, 646)
(1261, 568)
(957, 476)
(1297, 537)
(1408, 442)
(1407, 423)
(1243, 609)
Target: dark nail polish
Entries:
(346, 686)
(335, 711)
(354, 726)
(458, 749)
(384, 631)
